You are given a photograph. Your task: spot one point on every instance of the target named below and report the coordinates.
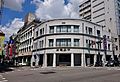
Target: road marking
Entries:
(19, 70)
(4, 81)
(3, 78)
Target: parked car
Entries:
(98, 64)
(112, 63)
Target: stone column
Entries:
(54, 60)
(37, 60)
(95, 59)
(72, 60)
(45, 60)
(26, 60)
(22, 60)
(54, 29)
(83, 63)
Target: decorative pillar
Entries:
(26, 60)
(72, 60)
(95, 59)
(83, 63)
(54, 60)
(22, 60)
(37, 60)
(45, 60)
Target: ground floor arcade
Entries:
(67, 59)
(23, 60)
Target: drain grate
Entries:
(48, 72)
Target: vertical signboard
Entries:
(104, 42)
(1, 43)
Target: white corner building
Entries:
(65, 42)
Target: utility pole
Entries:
(1, 9)
(105, 48)
(88, 59)
(113, 48)
(99, 48)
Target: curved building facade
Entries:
(69, 42)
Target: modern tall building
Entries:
(105, 13)
(85, 10)
(70, 42)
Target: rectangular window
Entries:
(90, 31)
(39, 44)
(99, 15)
(87, 43)
(63, 28)
(94, 1)
(76, 42)
(99, 9)
(98, 4)
(108, 46)
(63, 42)
(86, 28)
(69, 29)
(51, 42)
(115, 39)
(76, 29)
(98, 32)
(116, 48)
(40, 31)
(35, 45)
(36, 33)
(51, 29)
(43, 31)
(42, 43)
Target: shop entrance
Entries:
(89, 59)
(63, 59)
(41, 59)
(77, 59)
(49, 59)
(108, 57)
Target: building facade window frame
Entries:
(77, 42)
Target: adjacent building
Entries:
(105, 13)
(70, 42)
(2, 37)
(25, 38)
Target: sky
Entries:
(14, 12)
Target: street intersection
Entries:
(62, 74)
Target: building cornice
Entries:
(67, 34)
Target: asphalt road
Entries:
(62, 75)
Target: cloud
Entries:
(49, 9)
(14, 4)
(12, 27)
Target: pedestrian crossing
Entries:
(2, 79)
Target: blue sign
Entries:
(11, 41)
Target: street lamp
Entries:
(99, 63)
(113, 47)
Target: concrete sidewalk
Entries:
(61, 68)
